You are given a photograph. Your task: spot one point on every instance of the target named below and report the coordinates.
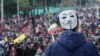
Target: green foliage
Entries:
(24, 4)
(53, 2)
(81, 1)
(10, 6)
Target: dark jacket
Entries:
(19, 52)
(29, 52)
(71, 44)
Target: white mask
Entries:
(68, 19)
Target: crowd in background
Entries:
(37, 37)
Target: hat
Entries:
(68, 19)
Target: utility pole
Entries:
(62, 4)
(18, 9)
(34, 18)
(45, 6)
(80, 3)
(2, 11)
(34, 6)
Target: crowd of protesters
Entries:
(37, 37)
(90, 25)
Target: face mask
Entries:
(68, 19)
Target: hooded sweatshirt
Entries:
(71, 43)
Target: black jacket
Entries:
(29, 52)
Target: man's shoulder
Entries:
(91, 48)
(89, 44)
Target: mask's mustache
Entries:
(69, 22)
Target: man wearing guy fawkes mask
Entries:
(71, 42)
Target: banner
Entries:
(19, 39)
(5, 39)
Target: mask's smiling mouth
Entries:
(66, 23)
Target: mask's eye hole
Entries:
(72, 16)
(64, 17)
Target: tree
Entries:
(24, 4)
(10, 7)
(83, 2)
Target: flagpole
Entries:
(53, 38)
(2, 11)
